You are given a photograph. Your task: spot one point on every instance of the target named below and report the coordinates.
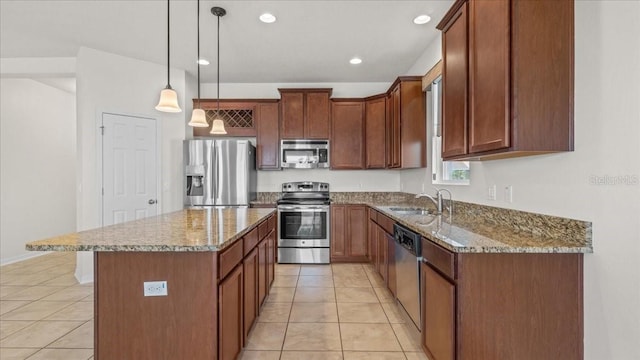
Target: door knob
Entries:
(152, 201)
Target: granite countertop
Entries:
(185, 230)
(462, 235)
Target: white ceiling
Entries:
(312, 41)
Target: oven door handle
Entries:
(305, 209)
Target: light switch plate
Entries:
(155, 288)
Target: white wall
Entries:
(339, 180)
(112, 83)
(117, 84)
(607, 143)
(38, 149)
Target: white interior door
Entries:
(129, 177)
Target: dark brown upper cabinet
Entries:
(267, 136)
(406, 124)
(507, 78)
(347, 134)
(375, 131)
(305, 113)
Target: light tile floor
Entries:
(339, 311)
(44, 312)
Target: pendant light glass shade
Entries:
(217, 128)
(168, 101)
(198, 119)
(168, 97)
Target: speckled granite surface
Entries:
(186, 230)
(477, 228)
(461, 235)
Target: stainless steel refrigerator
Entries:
(219, 172)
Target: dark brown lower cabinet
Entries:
(262, 271)
(372, 241)
(230, 317)
(438, 309)
(250, 290)
(391, 260)
(507, 306)
(271, 257)
(383, 254)
(349, 233)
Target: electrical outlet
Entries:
(491, 192)
(155, 288)
(508, 193)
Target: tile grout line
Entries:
(286, 329)
(335, 297)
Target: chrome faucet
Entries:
(437, 200)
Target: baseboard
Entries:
(29, 255)
(85, 279)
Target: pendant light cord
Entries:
(168, 45)
(198, 60)
(218, 111)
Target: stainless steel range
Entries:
(304, 218)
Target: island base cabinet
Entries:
(129, 325)
(230, 314)
(250, 290)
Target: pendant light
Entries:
(168, 97)
(198, 118)
(217, 128)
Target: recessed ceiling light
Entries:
(422, 19)
(267, 18)
(355, 61)
(203, 61)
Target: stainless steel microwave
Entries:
(304, 154)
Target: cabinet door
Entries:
(372, 243)
(338, 230)
(375, 133)
(391, 256)
(413, 124)
(268, 136)
(250, 290)
(389, 131)
(438, 309)
(271, 258)
(347, 135)
(396, 143)
(357, 232)
(454, 93)
(230, 310)
(262, 271)
(489, 81)
(317, 115)
(292, 111)
(383, 252)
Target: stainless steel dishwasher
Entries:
(407, 251)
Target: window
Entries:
(443, 172)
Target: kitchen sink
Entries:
(411, 211)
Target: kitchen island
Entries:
(217, 265)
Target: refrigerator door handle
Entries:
(216, 171)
